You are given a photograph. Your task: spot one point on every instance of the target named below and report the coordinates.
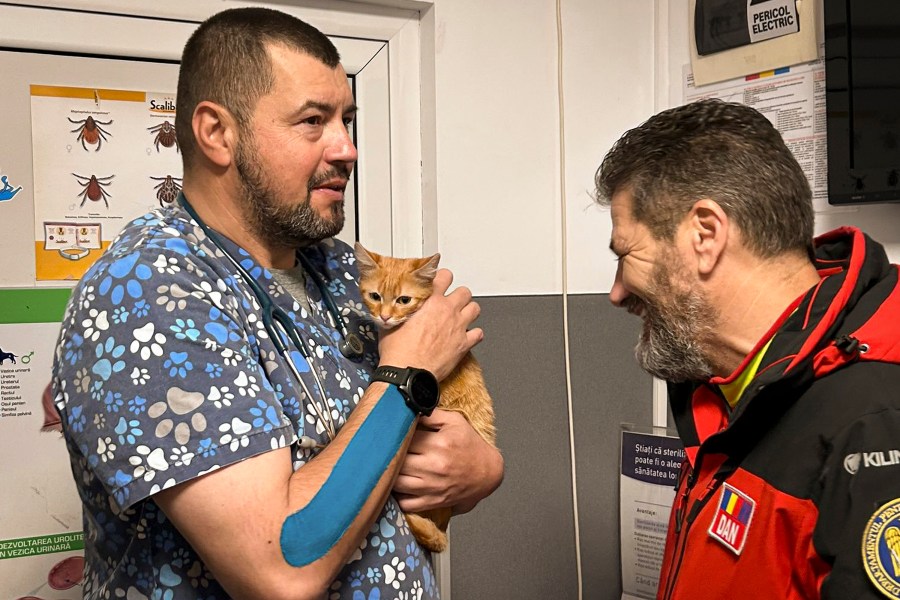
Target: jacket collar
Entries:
(850, 263)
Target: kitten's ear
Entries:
(365, 260)
(428, 269)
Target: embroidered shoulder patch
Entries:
(731, 521)
(881, 549)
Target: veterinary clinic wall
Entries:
(498, 149)
(499, 227)
(498, 146)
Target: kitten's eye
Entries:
(404, 300)
(375, 296)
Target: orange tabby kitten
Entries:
(393, 289)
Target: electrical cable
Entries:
(565, 286)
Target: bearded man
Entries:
(230, 428)
(782, 354)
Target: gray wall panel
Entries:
(520, 543)
(608, 389)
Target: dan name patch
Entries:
(731, 521)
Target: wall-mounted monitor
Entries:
(862, 72)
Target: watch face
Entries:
(424, 389)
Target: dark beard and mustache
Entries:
(285, 225)
(676, 324)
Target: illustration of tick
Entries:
(165, 135)
(90, 131)
(94, 188)
(167, 190)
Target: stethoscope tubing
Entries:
(272, 314)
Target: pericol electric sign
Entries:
(767, 19)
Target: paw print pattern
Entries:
(175, 415)
(167, 372)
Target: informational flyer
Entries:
(793, 99)
(41, 539)
(649, 471)
(101, 158)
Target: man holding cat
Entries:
(782, 357)
(227, 431)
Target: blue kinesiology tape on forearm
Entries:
(312, 531)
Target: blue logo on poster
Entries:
(8, 191)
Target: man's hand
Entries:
(438, 335)
(447, 464)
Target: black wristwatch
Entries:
(418, 386)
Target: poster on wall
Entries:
(649, 471)
(41, 540)
(793, 99)
(101, 158)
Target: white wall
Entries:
(498, 157)
(498, 151)
(609, 49)
(497, 144)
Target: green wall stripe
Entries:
(42, 544)
(45, 305)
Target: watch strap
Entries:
(404, 379)
(392, 375)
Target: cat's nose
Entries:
(385, 318)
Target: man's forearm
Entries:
(357, 462)
(266, 530)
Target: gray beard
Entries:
(668, 350)
(279, 224)
(675, 326)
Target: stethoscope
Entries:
(277, 322)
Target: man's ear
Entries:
(708, 225)
(216, 132)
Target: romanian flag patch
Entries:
(732, 520)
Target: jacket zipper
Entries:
(680, 520)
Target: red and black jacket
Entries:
(804, 460)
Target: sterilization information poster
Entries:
(649, 471)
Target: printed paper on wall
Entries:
(101, 158)
(649, 471)
(793, 99)
(41, 540)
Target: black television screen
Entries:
(862, 82)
